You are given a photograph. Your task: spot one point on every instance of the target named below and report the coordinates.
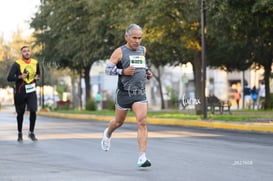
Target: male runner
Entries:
(128, 62)
(24, 72)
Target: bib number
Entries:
(30, 88)
(137, 61)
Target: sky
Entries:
(16, 14)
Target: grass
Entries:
(237, 115)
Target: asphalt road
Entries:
(69, 150)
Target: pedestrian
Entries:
(247, 95)
(98, 101)
(254, 96)
(237, 97)
(25, 72)
(128, 62)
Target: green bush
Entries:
(91, 105)
(172, 93)
(110, 104)
(271, 100)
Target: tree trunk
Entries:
(80, 90)
(158, 78)
(267, 72)
(197, 72)
(160, 89)
(87, 82)
(74, 98)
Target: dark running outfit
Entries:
(131, 89)
(25, 91)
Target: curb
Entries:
(256, 127)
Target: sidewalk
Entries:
(265, 127)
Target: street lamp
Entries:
(203, 42)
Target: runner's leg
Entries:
(140, 110)
(118, 121)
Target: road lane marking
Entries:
(123, 135)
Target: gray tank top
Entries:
(136, 58)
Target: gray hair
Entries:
(131, 27)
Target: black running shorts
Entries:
(125, 99)
(23, 100)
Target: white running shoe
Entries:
(143, 161)
(105, 142)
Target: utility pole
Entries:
(43, 69)
(203, 41)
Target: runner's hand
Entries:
(149, 74)
(129, 70)
(23, 75)
(36, 77)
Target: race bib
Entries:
(30, 88)
(137, 61)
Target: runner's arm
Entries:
(14, 73)
(111, 65)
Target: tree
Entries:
(75, 34)
(5, 62)
(9, 52)
(63, 29)
(172, 36)
(226, 48)
(242, 29)
(262, 40)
